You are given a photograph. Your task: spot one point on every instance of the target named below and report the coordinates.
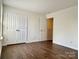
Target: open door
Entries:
(50, 29)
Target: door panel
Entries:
(15, 28)
(21, 30)
(33, 29)
(43, 28)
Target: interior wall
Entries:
(33, 26)
(65, 27)
(0, 17)
(0, 48)
(0, 29)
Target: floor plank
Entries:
(39, 50)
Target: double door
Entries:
(15, 28)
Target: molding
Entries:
(26, 42)
(36, 41)
(66, 46)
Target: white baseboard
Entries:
(35, 41)
(66, 46)
(24, 42)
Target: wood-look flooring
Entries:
(39, 50)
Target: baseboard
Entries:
(26, 42)
(13, 43)
(66, 46)
(37, 41)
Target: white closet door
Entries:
(43, 28)
(33, 28)
(15, 28)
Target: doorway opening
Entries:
(50, 29)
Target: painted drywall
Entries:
(0, 27)
(41, 6)
(0, 18)
(0, 30)
(65, 27)
(34, 25)
(0, 48)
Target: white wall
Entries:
(65, 27)
(0, 29)
(0, 48)
(34, 25)
(0, 17)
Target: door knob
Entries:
(17, 30)
(41, 30)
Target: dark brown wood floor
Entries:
(39, 50)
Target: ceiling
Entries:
(41, 6)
